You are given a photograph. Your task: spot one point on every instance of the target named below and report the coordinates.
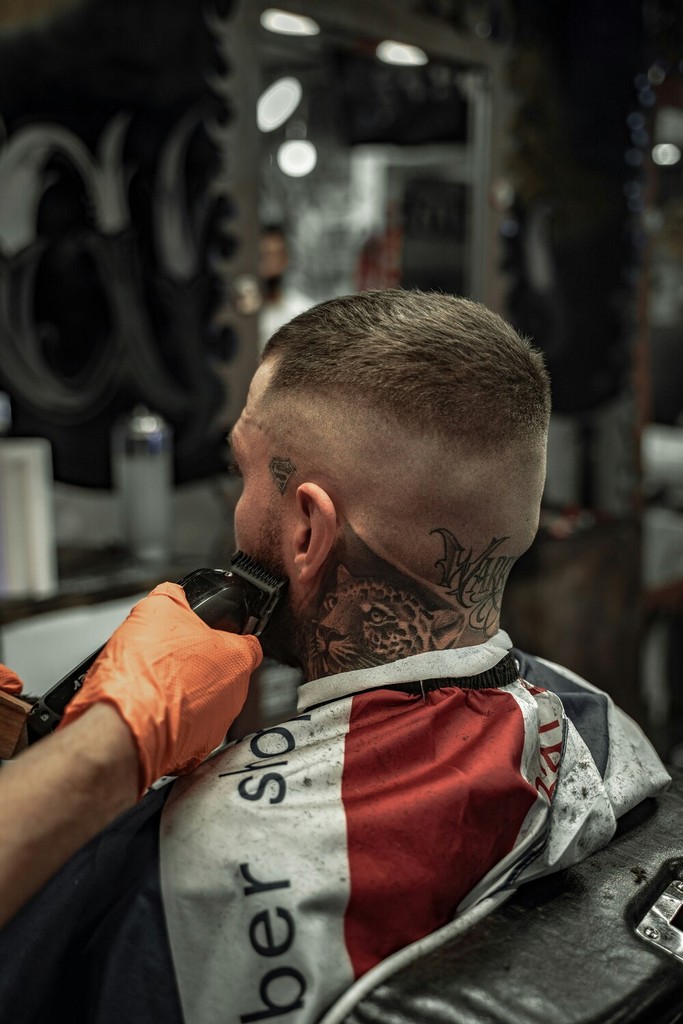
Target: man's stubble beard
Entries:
(283, 638)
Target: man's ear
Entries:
(315, 530)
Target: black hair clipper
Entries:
(237, 600)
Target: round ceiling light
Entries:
(666, 154)
(277, 103)
(297, 157)
(392, 52)
(288, 24)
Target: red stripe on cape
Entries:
(434, 798)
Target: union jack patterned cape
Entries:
(401, 804)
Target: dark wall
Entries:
(573, 75)
(108, 231)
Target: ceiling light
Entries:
(297, 157)
(392, 52)
(289, 24)
(277, 103)
(666, 154)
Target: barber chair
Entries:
(598, 943)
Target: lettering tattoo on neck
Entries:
(476, 583)
(281, 470)
(370, 613)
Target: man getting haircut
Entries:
(392, 449)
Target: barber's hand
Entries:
(10, 682)
(177, 683)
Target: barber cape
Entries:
(401, 804)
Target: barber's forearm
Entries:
(57, 795)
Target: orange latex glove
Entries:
(177, 683)
(10, 682)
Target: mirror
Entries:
(394, 190)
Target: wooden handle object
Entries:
(13, 714)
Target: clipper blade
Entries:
(265, 590)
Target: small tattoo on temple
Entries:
(281, 470)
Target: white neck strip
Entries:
(458, 662)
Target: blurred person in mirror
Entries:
(392, 449)
(281, 302)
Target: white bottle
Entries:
(142, 471)
(28, 548)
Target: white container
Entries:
(28, 549)
(142, 470)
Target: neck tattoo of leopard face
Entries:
(369, 613)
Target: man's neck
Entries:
(368, 613)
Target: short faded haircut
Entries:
(444, 365)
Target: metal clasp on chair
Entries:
(662, 925)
